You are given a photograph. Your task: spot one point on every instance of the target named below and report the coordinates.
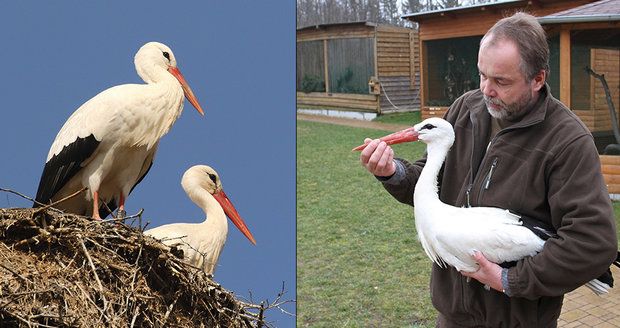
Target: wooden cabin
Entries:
(358, 66)
(449, 41)
(582, 33)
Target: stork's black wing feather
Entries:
(63, 166)
(142, 177)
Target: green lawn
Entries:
(359, 263)
(408, 118)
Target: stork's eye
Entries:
(428, 126)
(167, 55)
(213, 178)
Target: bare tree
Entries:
(313, 12)
(390, 12)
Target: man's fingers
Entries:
(368, 151)
(374, 159)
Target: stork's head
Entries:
(204, 177)
(431, 131)
(154, 60)
(435, 130)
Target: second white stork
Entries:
(202, 243)
(450, 234)
(108, 144)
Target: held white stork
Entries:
(108, 144)
(202, 243)
(449, 234)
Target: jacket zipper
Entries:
(487, 182)
(471, 185)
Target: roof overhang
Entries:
(324, 26)
(416, 17)
(578, 19)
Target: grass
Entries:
(359, 263)
(407, 118)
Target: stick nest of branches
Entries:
(78, 272)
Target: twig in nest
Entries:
(16, 274)
(45, 207)
(92, 267)
(21, 195)
(163, 324)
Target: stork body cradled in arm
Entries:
(202, 243)
(518, 148)
(108, 144)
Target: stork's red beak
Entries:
(231, 212)
(406, 135)
(186, 89)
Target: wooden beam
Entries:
(565, 59)
(412, 60)
(423, 79)
(376, 63)
(325, 66)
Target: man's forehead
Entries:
(500, 58)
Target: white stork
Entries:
(202, 243)
(450, 235)
(108, 143)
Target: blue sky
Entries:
(238, 57)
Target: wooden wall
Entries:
(478, 21)
(336, 32)
(596, 117)
(363, 103)
(610, 166)
(397, 68)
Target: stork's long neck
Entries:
(426, 187)
(216, 217)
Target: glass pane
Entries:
(351, 64)
(310, 69)
(554, 66)
(452, 69)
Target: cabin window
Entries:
(600, 51)
(310, 66)
(554, 65)
(351, 64)
(451, 69)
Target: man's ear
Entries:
(539, 80)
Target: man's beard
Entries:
(505, 111)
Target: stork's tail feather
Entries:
(598, 287)
(602, 284)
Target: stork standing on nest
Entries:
(451, 235)
(107, 146)
(202, 243)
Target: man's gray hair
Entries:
(530, 38)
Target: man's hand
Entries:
(378, 158)
(489, 273)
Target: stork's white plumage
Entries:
(108, 143)
(202, 243)
(450, 235)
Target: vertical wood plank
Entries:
(423, 80)
(325, 66)
(412, 59)
(376, 68)
(565, 67)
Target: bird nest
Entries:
(78, 272)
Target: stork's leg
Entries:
(96, 206)
(121, 207)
